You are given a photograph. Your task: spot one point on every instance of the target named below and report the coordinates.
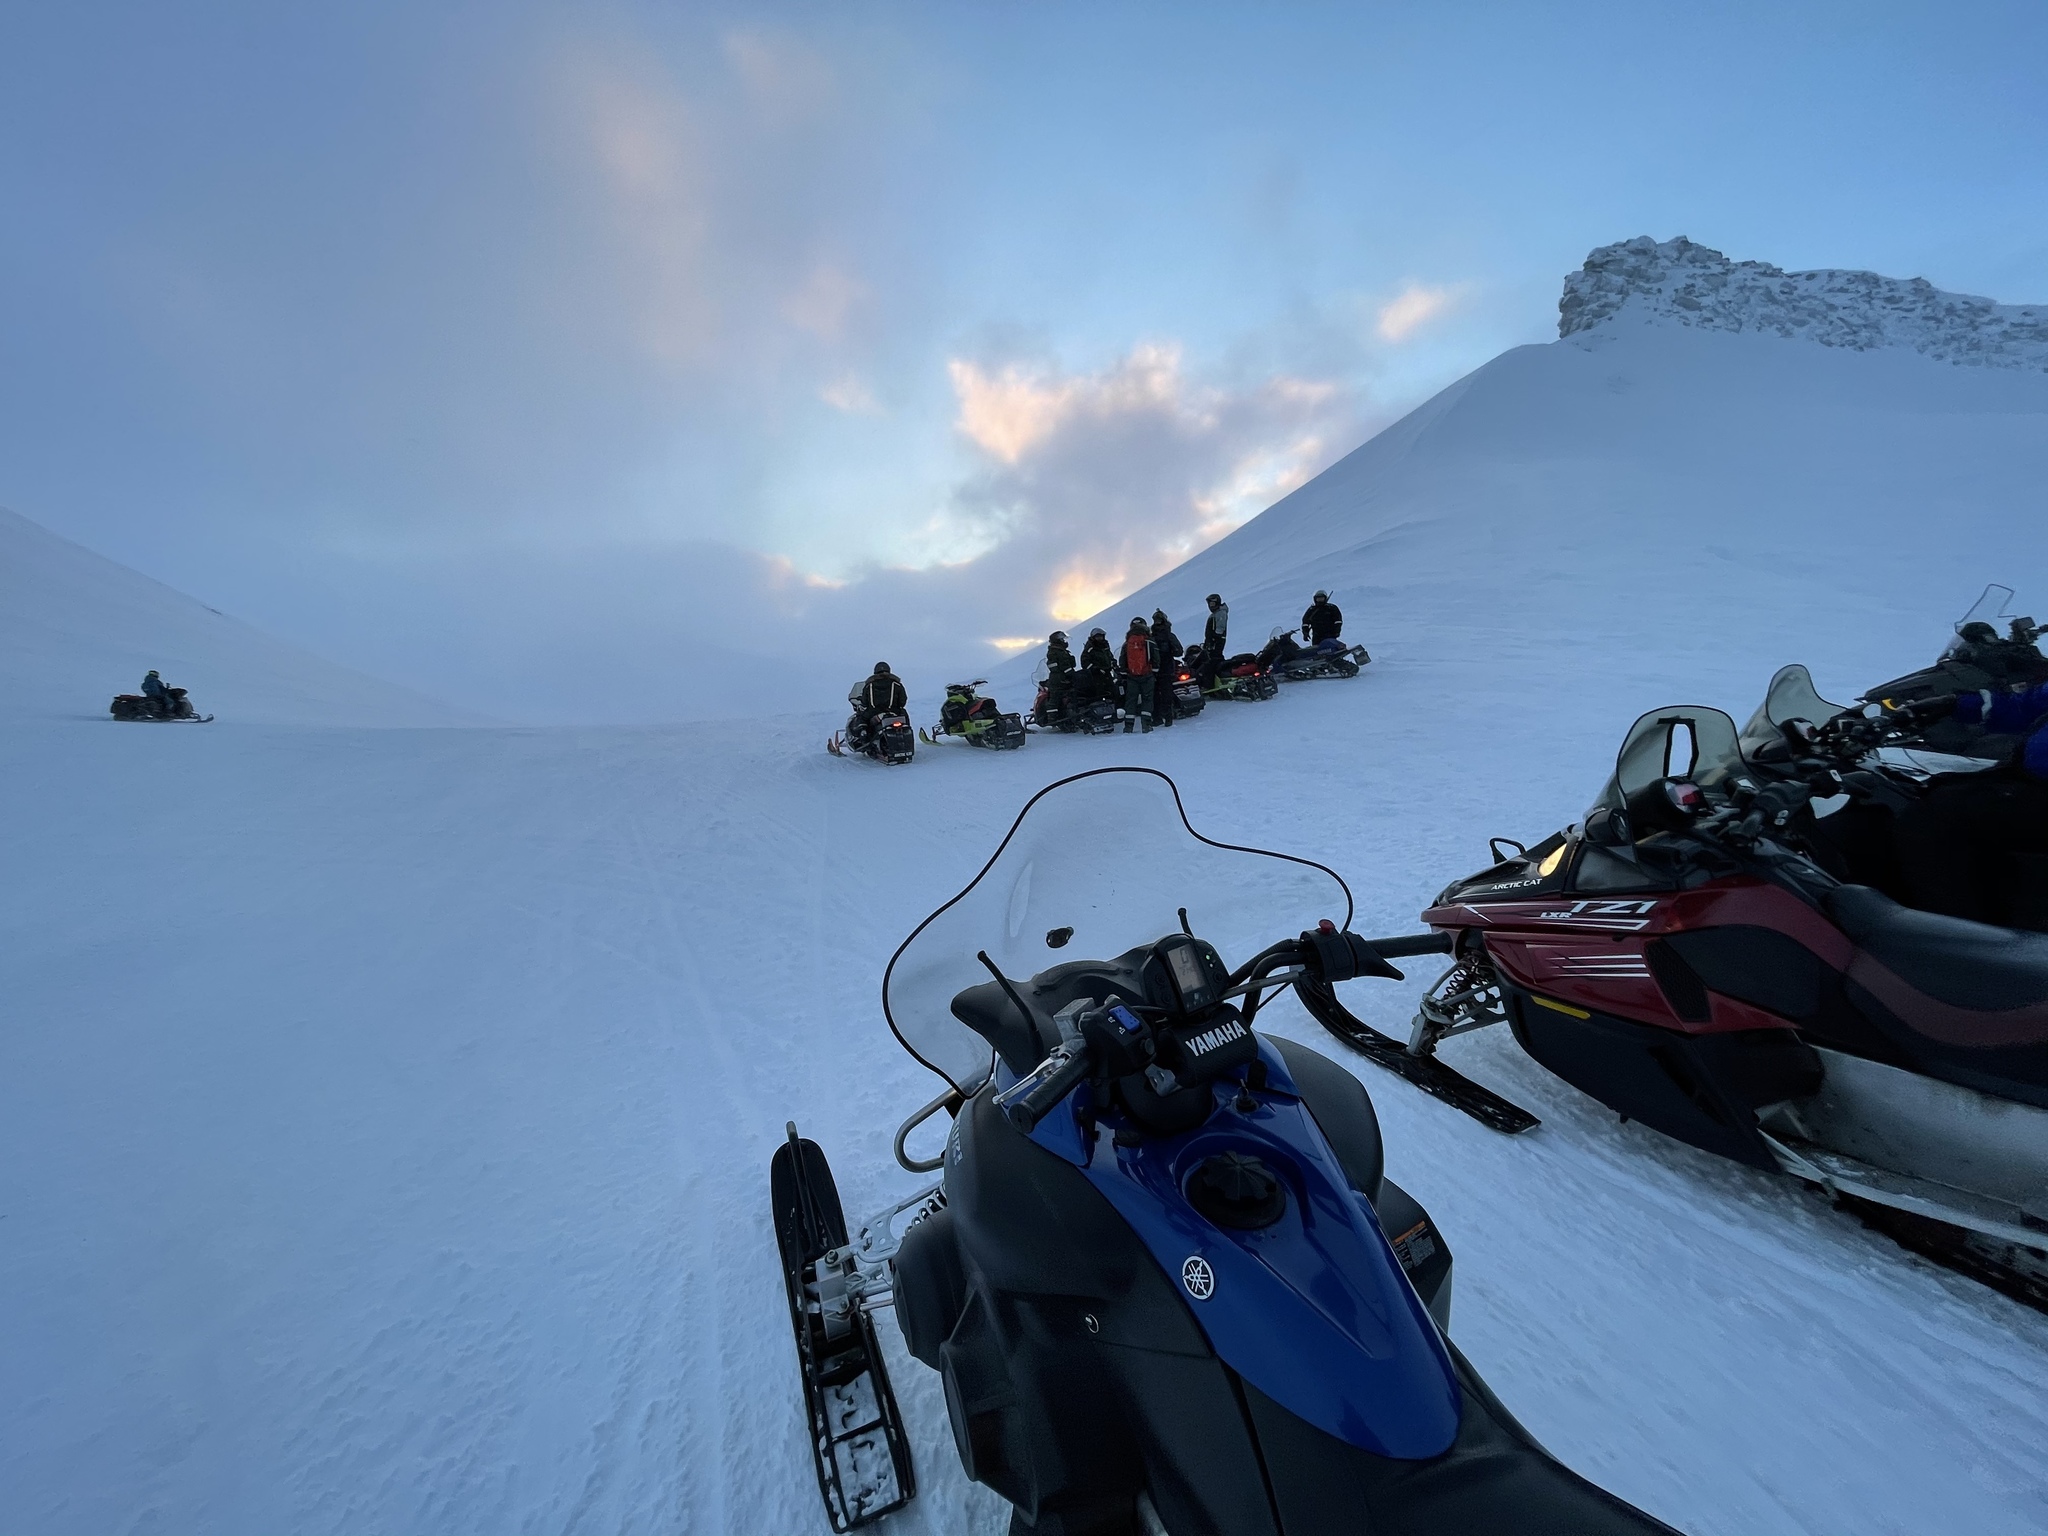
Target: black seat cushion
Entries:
(1950, 959)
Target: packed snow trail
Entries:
(386, 1145)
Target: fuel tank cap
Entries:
(1236, 1190)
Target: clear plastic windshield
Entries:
(1791, 696)
(1093, 866)
(1993, 608)
(1682, 741)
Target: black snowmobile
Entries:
(1163, 1276)
(1188, 698)
(887, 738)
(173, 706)
(976, 720)
(1092, 715)
(1292, 662)
(1238, 678)
(1977, 657)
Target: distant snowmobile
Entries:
(976, 720)
(887, 738)
(174, 706)
(1239, 678)
(1164, 1277)
(1682, 956)
(1292, 662)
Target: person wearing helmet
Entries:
(1321, 620)
(1096, 678)
(153, 689)
(1167, 644)
(1215, 639)
(1059, 679)
(1138, 664)
(879, 693)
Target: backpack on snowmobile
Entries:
(1163, 1276)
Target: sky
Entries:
(625, 362)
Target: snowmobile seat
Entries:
(1966, 965)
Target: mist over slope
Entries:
(1717, 468)
(77, 628)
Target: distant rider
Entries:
(1167, 644)
(1060, 668)
(1322, 620)
(879, 693)
(1140, 669)
(1215, 638)
(153, 689)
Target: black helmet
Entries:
(1159, 616)
(1097, 634)
(881, 669)
(1214, 598)
(1322, 597)
(1138, 624)
(1057, 637)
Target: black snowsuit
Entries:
(1097, 676)
(1059, 681)
(1322, 621)
(1167, 644)
(1215, 642)
(877, 694)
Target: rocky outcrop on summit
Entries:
(1697, 286)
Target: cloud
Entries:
(850, 394)
(822, 303)
(1415, 307)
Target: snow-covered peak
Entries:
(1698, 286)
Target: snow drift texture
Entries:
(385, 1114)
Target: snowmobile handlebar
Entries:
(1435, 942)
(1037, 1094)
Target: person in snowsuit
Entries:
(1321, 620)
(1060, 668)
(879, 693)
(1138, 663)
(159, 696)
(1976, 844)
(1215, 639)
(1169, 649)
(1096, 679)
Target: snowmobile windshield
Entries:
(1993, 608)
(1683, 741)
(1093, 866)
(1791, 696)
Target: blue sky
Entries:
(588, 345)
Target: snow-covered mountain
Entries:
(385, 1115)
(77, 628)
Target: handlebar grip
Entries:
(1432, 943)
(1033, 1098)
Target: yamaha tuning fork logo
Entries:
(1198, 1277)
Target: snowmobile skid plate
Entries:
(1426, 1072)
(857, 1438)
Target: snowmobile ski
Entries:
(835, 744)
(1432, 1075)
(857, 1438)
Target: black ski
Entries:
(1429, 1074)
(857, 1439)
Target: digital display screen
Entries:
(1188, 976)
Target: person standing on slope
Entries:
(1215, 638)
(1059, 678)
(1167, 644)
(1140, 668)
(1096, 679)
(1321, 621)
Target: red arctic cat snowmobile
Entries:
(1683, 955)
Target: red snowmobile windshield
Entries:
(1093, 866)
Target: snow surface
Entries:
(385, 1114)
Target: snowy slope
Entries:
(76, 629)
(383, 1137)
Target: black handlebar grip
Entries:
(1041, 1100)
(1432, 943)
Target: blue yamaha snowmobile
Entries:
(1163, 1275)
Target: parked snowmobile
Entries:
(1683, 956)
(887, 738)
(1976, 657)
(1239, 677)
(1188, 697)
(1163, 1275)
(976, 720)
(1292, 662)
(173, 707)
(1096, 717)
